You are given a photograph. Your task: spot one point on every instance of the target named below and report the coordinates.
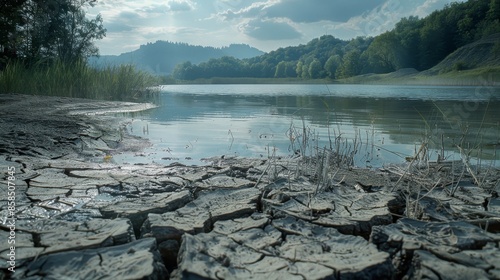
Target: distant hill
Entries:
(162, 56)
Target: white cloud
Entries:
(303, 11)
(385, 17)
(265, 24)
(253, 10)
(180, 5)
(156, 9)
(269, 29)
(431, 5)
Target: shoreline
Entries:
(230, 218)
(410, 77)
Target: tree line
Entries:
(34, 31)
(414, 42)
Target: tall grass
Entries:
(77, 80)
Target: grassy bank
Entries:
(77, 80)
(484, 76)
(249, 80)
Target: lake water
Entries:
(378, 124)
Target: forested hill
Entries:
(418, 43)
(162, 56)
(482, 53)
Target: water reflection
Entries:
(256, 120)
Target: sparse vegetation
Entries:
(462, 172)
(459, 66)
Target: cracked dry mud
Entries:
(81, 217)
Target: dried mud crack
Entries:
(82, 217)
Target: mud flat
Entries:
(78, 215)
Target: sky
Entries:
(264, 24)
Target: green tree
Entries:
(466, 29)
(76, 38)
(408, 33)
(280, 70)
(433, 41)
(39, 30)
(385, 53)
(315, 69)
(493, 13)
(290, 67)
(305, 72)
(350, 66)
(492, 25)
(331, 65)
(298, 69)
(185, 71)
(10, 19)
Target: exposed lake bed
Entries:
(269, 216)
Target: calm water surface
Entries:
(382, 124)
